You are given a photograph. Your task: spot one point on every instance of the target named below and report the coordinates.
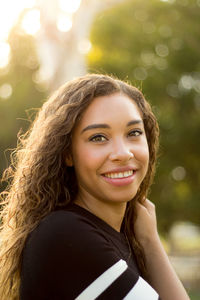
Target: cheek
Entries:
(145, 155)
(142, 153)
(89, 156)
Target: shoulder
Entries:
(64, 228)
(62, 219)
(66, 240)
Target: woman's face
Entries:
(109, 150)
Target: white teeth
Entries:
(119, 175)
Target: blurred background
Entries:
(153, 44)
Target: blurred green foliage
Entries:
(156, 46)
(14, 110)
(194, 295)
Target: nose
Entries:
(121, 152)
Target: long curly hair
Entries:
(40, 182)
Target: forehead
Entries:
(105, 109)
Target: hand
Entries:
(146, 225)
(160, 272)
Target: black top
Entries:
(73, 254)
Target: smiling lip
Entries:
(122, 177)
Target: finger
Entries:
(149, 205)
(140, 205)
(140, 208)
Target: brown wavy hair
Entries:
(40, 182)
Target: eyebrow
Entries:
(96, 126)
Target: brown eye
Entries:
(98, 138)
(135, 132)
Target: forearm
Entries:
(162, 276)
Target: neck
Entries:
(111, 213)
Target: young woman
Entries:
(76, 221)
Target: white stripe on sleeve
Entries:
(100, 284)
(142, 291)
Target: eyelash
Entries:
(96, 138)
(137, 132)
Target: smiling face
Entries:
(109, 151)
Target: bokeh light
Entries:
(5, 91)
(69, 6)
(84, 46)
(140, 73)
(64, 22)
(31, 22)
(178, 173)
(4, 54)
(162, 50)
(9, 12)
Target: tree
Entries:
(62, 54)
(155, 45)
(52, 52)
(15, 113)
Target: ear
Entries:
(69, 161)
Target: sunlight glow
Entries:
(69, 6)
(4, 54)
(9, 12)
(64, 23)
(31, 22)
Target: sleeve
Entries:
(67, 258)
